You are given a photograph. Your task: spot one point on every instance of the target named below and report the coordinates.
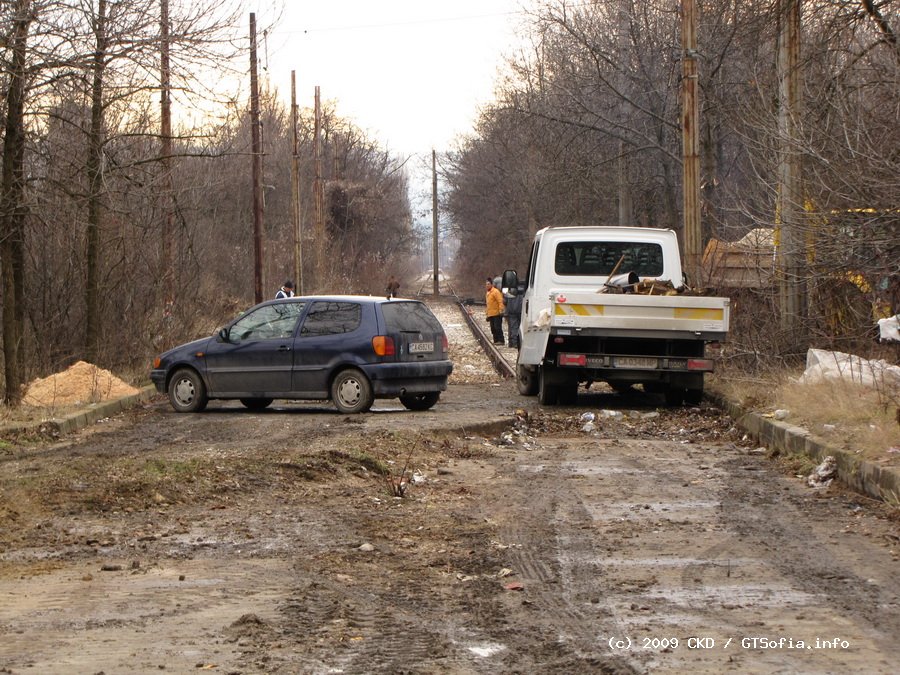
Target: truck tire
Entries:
(526, 380)
(675, 395)
(548, 394)
(568, 393)
(693, 396)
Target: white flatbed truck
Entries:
(585, 320)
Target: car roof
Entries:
(363, 299)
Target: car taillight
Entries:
(383, 345)
(445, 343)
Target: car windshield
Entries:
(599, 258)
(412, 317)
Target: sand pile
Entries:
(81, 383)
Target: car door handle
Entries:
(284, 348)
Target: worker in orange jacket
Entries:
(494, 300)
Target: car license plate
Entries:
(635, 362)
(420, 347)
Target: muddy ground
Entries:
(484, 536)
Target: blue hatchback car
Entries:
(345, 348)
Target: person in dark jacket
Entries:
(513, 313)
(286, 290)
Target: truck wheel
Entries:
(675, 396)
(526, 380)
(548, 394)
(693, 396)
(568, 393)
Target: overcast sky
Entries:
(412, 73)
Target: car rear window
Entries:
(409, 317)
(331, 318)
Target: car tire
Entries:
(422, 401)
(187, 392)
(256, 403)
(351, 392)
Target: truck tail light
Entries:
(700, 364)
(383, 345)
(572, 360)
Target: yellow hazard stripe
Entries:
(699, 314)
(571, 309)
(691, 313)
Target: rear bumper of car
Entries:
(395, 379)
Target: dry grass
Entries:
(848, 416)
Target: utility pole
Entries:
(789, 240)
(434, 222)
(319, 195)
(165, 132)
(256, 151)
(690, 135)
(295, 190)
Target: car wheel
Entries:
(351, 392)
(420, 401)
(526, 380)
(256, 403)
(187, 393)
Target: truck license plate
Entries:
(635, 362)
(420, 347)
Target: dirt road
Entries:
(242, 542)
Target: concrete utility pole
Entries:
(789, 239)
(690, 127)
(295, 190)
(256, 151)
(434, 222)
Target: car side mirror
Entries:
(224, 335)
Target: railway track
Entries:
(502, 360)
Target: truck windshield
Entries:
(599, 258)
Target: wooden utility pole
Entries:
(256, 151)
(295, 190)
(434, 223)
(690, 130)
(319, 195)
(165, 131)
(622, 163)
(789, 240)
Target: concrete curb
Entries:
(864, 477)
(59, 426)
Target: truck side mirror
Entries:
(510, 279)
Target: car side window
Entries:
(331, 318)
(276, 321)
